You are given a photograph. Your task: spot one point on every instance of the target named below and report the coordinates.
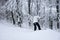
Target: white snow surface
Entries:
(12, 32)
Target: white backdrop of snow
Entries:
(12, 32)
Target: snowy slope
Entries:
(11, 32)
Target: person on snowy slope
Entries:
(35, 22)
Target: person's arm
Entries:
(42, 17)
(39, 17)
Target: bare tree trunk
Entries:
(17, 7)
(19, 13)
(29, 1)
(13, 17)
(50, 19)
(37, 7)
(57, 7)
(50, 23)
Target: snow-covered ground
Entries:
(11, 32)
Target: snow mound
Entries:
(11, 32)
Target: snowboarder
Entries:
(35, 23)
(35, 20)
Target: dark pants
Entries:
(36, 24)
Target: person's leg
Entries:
(34, 26)
(38, 26)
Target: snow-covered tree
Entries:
(21, 12)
